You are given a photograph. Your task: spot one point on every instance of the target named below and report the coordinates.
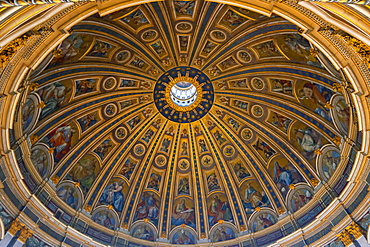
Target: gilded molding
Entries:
(355, 230)
(360, 2)
(25, 233)
(359, 47)
(15, 226)
(345, 237)
(13, 3)
(10, 49)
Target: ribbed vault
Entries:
(261, 149)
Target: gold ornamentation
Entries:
(145, 85)
(355, 230)
(15, 226)
(148, 112)
(3, 60)
(13, 3)
(224, 100)
(337, 140)
(185, 132)
(51, 150)
(318, 151)
(154, 72)
(281, 210)
(314, 181)
(191, 80)
(314, 52)
(291, 186)
(167, 62)
(33, 138)
(163, 235)
(258, 209)
(144, 99)
(361, 2)
(345, 237)
(34, 86)
(183, 59)
(219, 113)
(76, 184)
(220, 221)
(58, 53)
(328, 105)
(337, 87)
(203, 235)
(25, 234)
(110, 207)
(214, 71)
(242, 228)
(11, 48)
(88, 208)
(41, 105)
(221, 85)
(199, 62)
(358, 46)
(146, 220)
(55, 179)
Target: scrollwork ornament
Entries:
(355, 230)
(25, 233)
(11, 48)
(359, 47)
(345, 237)
(337, 87)
(15, 226)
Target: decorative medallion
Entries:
(184, 94)
(244, 56)
(110, 110)
(257, 83)
(183, 164)
(207, 160)
(123, 56)
(109, 83)
(139, 149)
(218, 35)
(149, 35)
(184, 27)
(257, 111)
(247, 134)
(229, 151)
(120, 133)
(161, 160)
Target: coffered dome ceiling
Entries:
(185, 122)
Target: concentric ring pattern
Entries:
(249, 157)
(195, 107)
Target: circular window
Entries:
(183, 93)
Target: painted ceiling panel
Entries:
(263, 132)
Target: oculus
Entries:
(183, 94)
